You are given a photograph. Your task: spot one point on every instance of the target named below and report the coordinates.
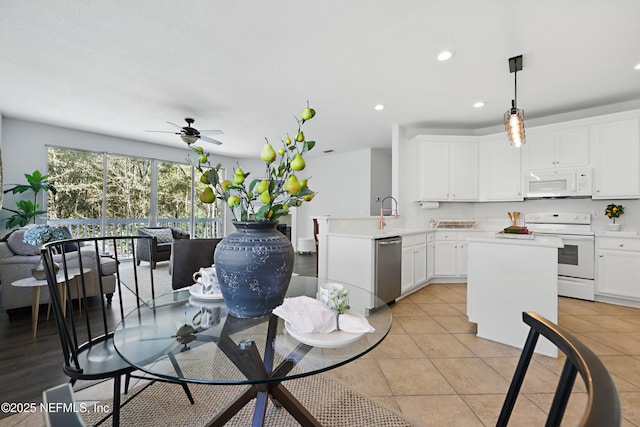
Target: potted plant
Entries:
(254, 264)
(28, 210)
(613, 211)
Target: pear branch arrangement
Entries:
(279, 190)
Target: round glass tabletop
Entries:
(179, 336)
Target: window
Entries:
(110, 194)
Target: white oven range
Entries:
(576, 260)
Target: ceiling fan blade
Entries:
(212, 132)
(163, 131)
(178, 126)
(211, 140)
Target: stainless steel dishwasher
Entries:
(388, 280)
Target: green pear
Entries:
(204, 179)
(308, 114)
(238, 176)
(268, 154)
(297, 164)
(300, 136)
(265, 198)
(262, 186)
(207, 196)
(233, 201)
(292, 186)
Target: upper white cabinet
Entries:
(499, 168)
(616, 148)
(447, 168)
(557, 147)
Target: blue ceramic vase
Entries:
(254, 265)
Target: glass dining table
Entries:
(200, 342)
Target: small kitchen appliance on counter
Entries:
(576, 263)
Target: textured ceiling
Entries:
(119, 67)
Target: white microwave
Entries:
(575, 182)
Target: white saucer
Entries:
(196, 291)
(331, 340)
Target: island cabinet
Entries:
(414, 261)
(351, 259)
(616, 159)
(618, 268)
(557, 146)
(451, 253)
(499, 170)
(446, 168)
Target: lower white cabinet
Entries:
(618, 267)
(414, 261)
(451, 251)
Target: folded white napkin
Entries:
(308, 315)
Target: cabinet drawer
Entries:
(419, 238)
(618, 243)
(407, 240)
(446, 235)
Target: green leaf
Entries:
(253, 184)
(308, 145)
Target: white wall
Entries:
(24, 149)
(380, 179)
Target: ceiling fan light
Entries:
(514, 125)
(189, 139)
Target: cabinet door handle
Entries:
(601, 256)
(621, 245)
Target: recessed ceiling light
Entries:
(379, 107)
(445, 55)
(637, 67)
(478, 104)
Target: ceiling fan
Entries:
(190, 134)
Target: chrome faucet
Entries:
(383, 210)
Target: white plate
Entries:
(331, 340)
(196, 291)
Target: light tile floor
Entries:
(435, 370)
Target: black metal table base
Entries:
(246, 357)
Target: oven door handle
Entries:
(568, 236)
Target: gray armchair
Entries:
(163, 238)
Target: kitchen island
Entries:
(507, 276)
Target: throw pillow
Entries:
(18, 246)
(164, 235)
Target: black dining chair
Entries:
(188, 256)
(86, 335)
(603, 404)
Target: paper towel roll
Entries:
(429, 205)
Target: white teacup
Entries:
(326, 290)
(206, 277)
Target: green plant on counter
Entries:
(28, 210)
(613, 211)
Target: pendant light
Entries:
(514, 117)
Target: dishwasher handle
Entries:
(389, 242)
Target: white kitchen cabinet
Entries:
(618, 267)
(447, 168)
(446, 253)
(557, 147)
(431, 250)
(499, 169)
(414, 261)
(616, 159)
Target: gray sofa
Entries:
(18, 258)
